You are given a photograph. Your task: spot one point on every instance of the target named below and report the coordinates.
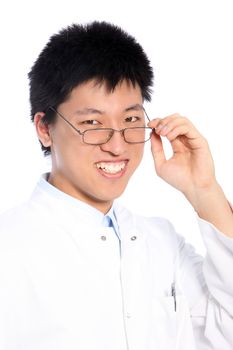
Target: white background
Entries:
(189, 44)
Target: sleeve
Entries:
(208, 286)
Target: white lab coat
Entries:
(65, 286)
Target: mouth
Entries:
(112, 168)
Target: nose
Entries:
(116, 145)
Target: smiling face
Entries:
(95, 174)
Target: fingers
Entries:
(173, 126)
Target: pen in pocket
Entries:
(173, 292)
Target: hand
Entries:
(191, 166)
(191, 169)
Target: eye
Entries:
(90, 122)
(133, 119)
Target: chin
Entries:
(110, 197)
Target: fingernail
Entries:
(159, 127)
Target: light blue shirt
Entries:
(107, 220)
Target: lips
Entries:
(112, 167)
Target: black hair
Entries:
(79, 53)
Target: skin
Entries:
(74, 169)
(74, 163)
(194, 168)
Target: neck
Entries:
(102, 205)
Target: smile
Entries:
(111, 167)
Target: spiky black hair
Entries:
(78, 53)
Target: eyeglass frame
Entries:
(122, 131)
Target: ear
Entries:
(42, 129)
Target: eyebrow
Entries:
(136, 107)
(87, 111)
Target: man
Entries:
(78, 271)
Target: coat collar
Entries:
(64, 205)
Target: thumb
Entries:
(157, 151)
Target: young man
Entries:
(77, 271)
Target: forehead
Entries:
(93, 94)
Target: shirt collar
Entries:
(96, 216)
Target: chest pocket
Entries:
(173, 328)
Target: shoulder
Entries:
(17, 226)
(10, 218)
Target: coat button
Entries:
(133, 238)
(103, 238)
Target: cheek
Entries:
(77, 159)
(65, 151)
(137, 153)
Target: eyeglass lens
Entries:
(131, 135)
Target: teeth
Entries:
(111, 168)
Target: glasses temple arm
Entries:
(67, 121)
(146, 114)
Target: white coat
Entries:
(65, 286)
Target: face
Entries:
(95, 174)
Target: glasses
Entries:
(100, 136)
